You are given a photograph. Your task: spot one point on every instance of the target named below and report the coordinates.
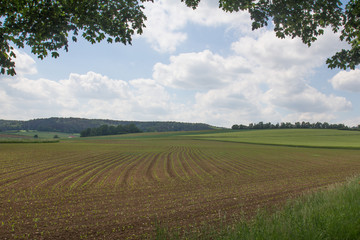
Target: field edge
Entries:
(330, 213)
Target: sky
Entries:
(203, 66)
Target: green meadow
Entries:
(329, 138)
(40, 134)
(32, 136)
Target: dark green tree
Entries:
(306, 19)
(235, 127)
(120, 129)
(85, 133)
(46, 25)
(269, 125)
(131, 128)
(110, 130)
(103, 130)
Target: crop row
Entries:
(121, 189)
(120, 167)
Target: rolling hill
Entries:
(76, 125)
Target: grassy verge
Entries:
(330, 214)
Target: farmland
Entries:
(32, 133)
(125, 186)
(292, 137)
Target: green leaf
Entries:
(55, 54)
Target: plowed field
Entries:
(124, 188)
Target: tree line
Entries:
(109, 130)
(269, 125)
(76, 125)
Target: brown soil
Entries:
(194, 185)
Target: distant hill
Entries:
(76, 125)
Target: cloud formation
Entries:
(199, 71)
(24, 64)
(263, 78)
(347, 81)
(95, 85)
(89, 95)
(166, 21)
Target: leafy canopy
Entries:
(306, 19)
(46, 25)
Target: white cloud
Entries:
(94, 85)
(84, 95)
(347, 81)
(285, 65)
(7, 110)
(266, 79)
(36, 89)
(310, 117)
(209, 14)
(263, 79)
(24, 64)
(166, 21)
(353, 122)
(308, 100)
(240, 101)
(199, 71)
(150, 98)
(271, 52)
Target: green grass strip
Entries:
(28, 141)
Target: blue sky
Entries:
(190, 66)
